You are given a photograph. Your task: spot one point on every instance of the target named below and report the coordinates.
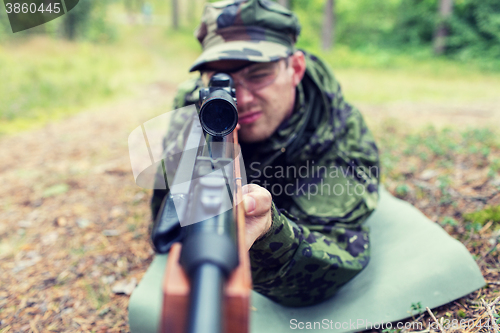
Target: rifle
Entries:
(207, 283)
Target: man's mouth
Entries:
(249, 117)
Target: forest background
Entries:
(73, 224)
(459, 35)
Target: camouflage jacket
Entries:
(321, 167)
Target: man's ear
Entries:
(298, 65)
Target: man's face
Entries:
(265, 93)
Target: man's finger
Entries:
(257, 202)
(250, 188)
(249, 204)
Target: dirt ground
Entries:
(73, 224)
(438, 114)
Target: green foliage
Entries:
(96, 294)
(494, 168)
(365, 23)
(402, 190)
(310, 34)
(444, 184)
(483, 216)
(416, 22)
(417, 307)
(359, 24)
(447, 220)
(55, 190)
(4, 25)
(406, 26)
(88, 21)
(76, 21)
(473, 226)
(388, 162)
(475, 27)
(440, 151)
(62, 82)
(51, 85)
(431, 143)
(483, 135)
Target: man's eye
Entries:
(258, 76)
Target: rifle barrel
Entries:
(210, 252)
(205, 313)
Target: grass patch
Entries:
(484, 216)
(378, 86)
(450, 174)
(55, 190)
(97, 295)
(406, 151)
(45, 79)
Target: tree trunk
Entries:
(328, 35)
(76, 20)
(175, 14)
(284, 3)
(445, 10)
(191, 11)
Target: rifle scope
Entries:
(218, 113)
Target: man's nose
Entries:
(243, 96)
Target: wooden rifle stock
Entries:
(236, 301)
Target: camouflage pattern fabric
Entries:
(254, 30)
(317, 241)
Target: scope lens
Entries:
(218, 117)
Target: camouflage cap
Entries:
(253, 30)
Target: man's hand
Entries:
(258, 218)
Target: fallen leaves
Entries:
(70, 232)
